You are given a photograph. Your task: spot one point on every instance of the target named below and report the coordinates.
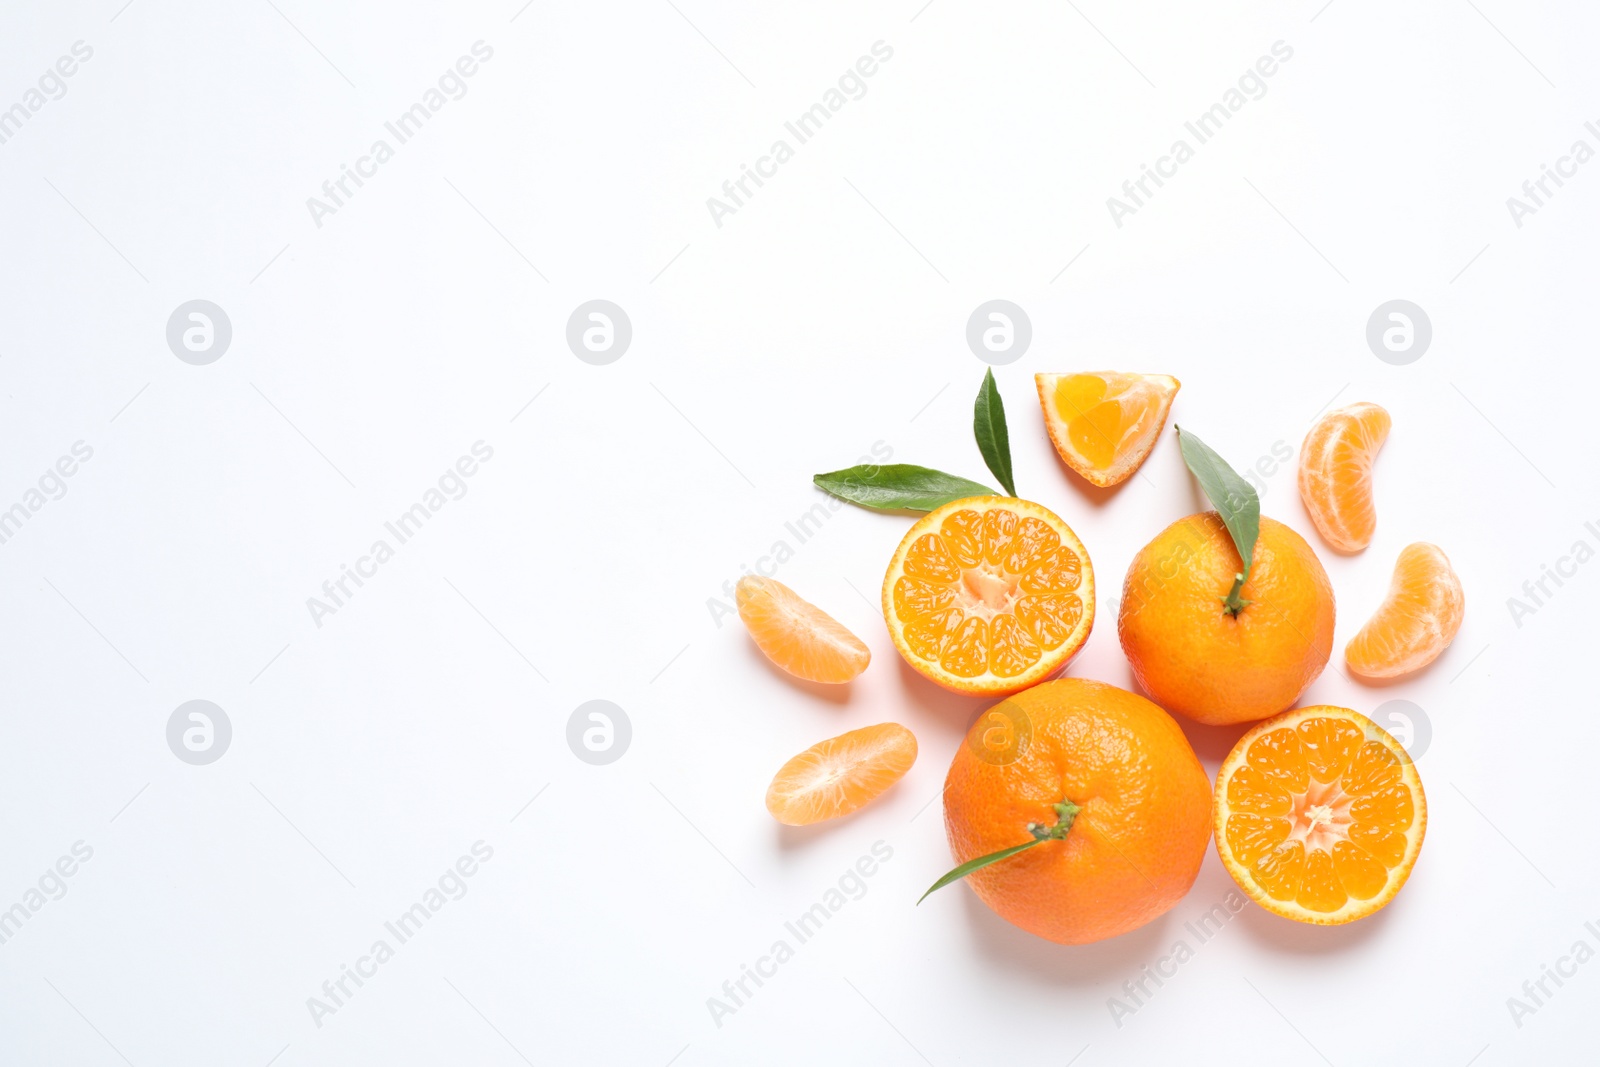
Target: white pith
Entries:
(986, 591)
(1319, 818)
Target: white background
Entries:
(827, 314)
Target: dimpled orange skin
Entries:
(1196, 660)
(1135, 847)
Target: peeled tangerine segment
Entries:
(1417, 619)
(796, 635)
(1104, 423)
(1320, 815)
(842, 774)
(1336, 474)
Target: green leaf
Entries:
(989, 427)
(1235, 500)
(898, 486)
(981, 862)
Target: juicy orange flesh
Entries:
(842, 774)
(1318, 814)
(1102, 424)
(1094, 424)
(989, 592)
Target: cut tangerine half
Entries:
(1336, 474)
(1417, 619)
(1104, 423)
(989, 595)
(842, 774)
(797, 635)
(1319, 815)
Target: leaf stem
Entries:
(1066, 814)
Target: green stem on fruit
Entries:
(1066, 814)
(1233, 603)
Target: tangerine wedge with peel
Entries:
(1417, 619)
(1104, 423)
(797, 635)
(1336, 474)
(842, 774)
(988, 595)
(1319, 815)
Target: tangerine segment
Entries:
(1336, 474)
(1319, 815)
(796, 635)
(842, 774)
(1104, 423)
(1417, 619)
(989, 595)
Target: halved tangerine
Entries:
(1319, 815)
(1417, 620)
(1336, 474)
(1104, 423)
(989, 595)
(842, 774)
(796, 634)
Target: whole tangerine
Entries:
(1105, 783)
(1195, 657)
